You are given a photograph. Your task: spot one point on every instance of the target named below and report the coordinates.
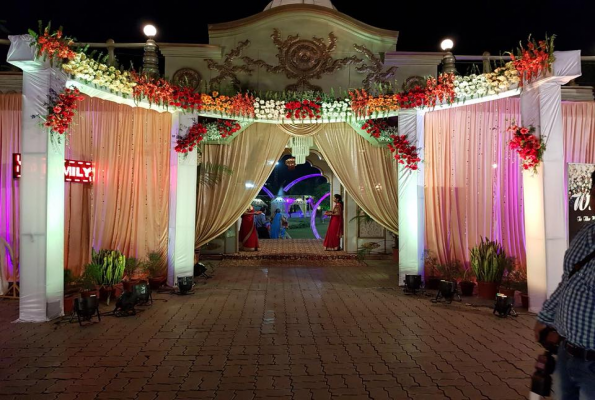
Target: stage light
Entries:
(412, 283)
(447, 290)
(142, 291)
(447, 44)
(503, 306)
(150, 31)
(185, 284)
(86, 308)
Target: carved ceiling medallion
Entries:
(187, 77)
(304, 60)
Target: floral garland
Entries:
(227, 127)
(532, 61)
(437, 90)
(61, 108)
(196, 134)
(54, 45)
(404, 152)
(529, 147)
(305, 109)
(491, 83)
(375, 127)
(199, 131)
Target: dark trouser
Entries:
(574, 378)
(263, 233)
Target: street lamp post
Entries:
(150, 58)
(448, 61)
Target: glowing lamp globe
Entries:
(150, 30)
(447, 44)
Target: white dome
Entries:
(322, 3)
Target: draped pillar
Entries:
(369, 174)
(546, 222)
(41, 190)
(251, 157)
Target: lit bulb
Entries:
(150, 30)
(249, 185)
(494, 166)
(447, 44)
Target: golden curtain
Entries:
(368, 173)
(251, 157)
(473, 181)
(10, 133)
(127, 207)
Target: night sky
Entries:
(475, 26)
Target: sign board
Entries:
(74, 170)
(580, 213)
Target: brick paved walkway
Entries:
(297, 333)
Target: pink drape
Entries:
(473, 181)
(10, 132)
(127, 207)
(579, 131)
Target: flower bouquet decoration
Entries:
(531, 62)
(529, 147)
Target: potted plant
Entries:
(132, 265)
(112, 264)
(467, 285)
(154, 267)
(70, 292)
(507, 287)
(90, 280)
(432, 281)
(519, 282)
(450, 270)
(489, 262)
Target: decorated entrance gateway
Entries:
(306, 77)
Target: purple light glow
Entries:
(313, 217)
(298, 180)
(268, 192)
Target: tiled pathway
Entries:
(301, 333)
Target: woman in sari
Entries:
(276, 225)
(248, 234)
(332, 240)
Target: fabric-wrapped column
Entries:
(411, 200)
(546, 221)
(182, 204)
(41, 190)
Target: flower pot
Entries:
(467, 288)
(525, 300)
(396, 255)
(506, 291)
(487, 290)
(69, 304)
(106, 293)
(156, 283)
(432, 283)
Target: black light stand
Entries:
(185, 285)
(200, 271)
(412, 283)
(86, 308)
(504, 306)
(447, 290)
